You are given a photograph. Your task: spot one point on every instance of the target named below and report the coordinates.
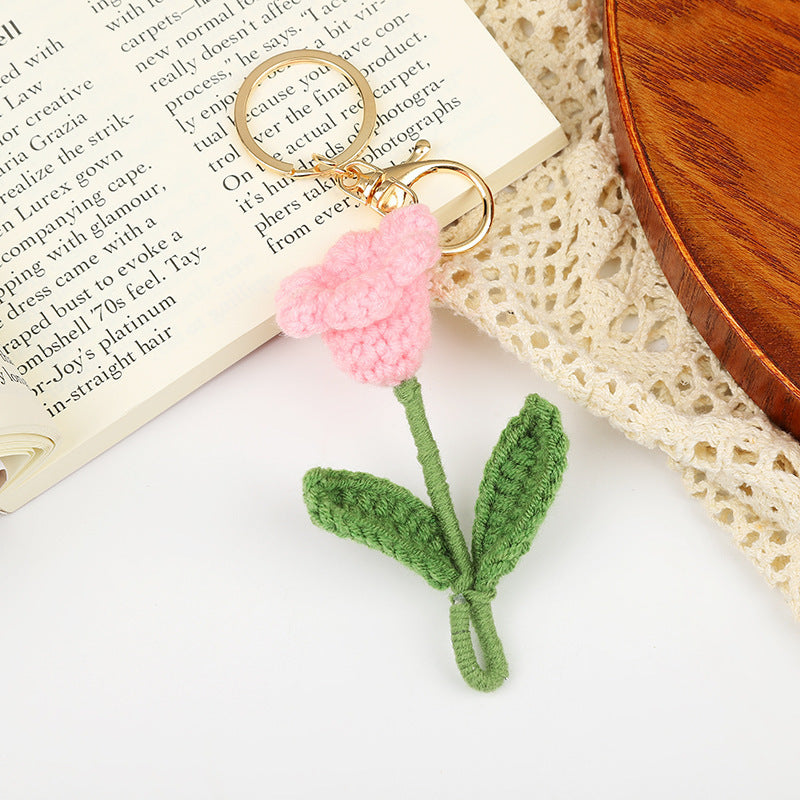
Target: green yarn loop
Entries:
(479, 613)
(519, 484)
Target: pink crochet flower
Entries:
(369, 297)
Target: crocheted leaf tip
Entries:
(519, 484)
(381, 515)
(369, 297)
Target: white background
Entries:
(173, 626)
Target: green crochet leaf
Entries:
(519, 483)
(383, 516)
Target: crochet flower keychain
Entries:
(369, 300)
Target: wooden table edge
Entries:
(748, 365)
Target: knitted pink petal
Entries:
(362, 300)
(352, 255)
(300, 303)
(369, 297)
(409, 222)
(369, 269)
(389, 351)
(410, 236)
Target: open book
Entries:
(141, 246)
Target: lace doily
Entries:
(568, 282)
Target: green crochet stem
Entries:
(468, 604)
(409, 393)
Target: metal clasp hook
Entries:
(388, 188)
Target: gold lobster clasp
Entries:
(388, 188)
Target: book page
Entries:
(140, 245)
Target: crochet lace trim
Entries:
(568, 282)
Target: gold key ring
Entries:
(278, 62)
(383, 189)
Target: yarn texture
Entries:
(369, 299)
(566, 280)
(519, 484)
(360, 296)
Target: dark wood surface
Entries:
(705, 107)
